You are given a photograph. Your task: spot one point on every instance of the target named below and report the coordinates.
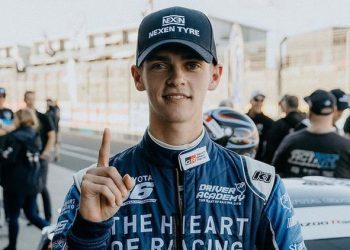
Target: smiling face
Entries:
(176, 80)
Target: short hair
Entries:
(28, 92)
(291, 101)
(27, 118)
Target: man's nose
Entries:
(177, 77)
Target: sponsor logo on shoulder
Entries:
(262, 176)
(142, 191)
(286, 203)
(292, 221)
(297, 246)
(60, 226)
(222, 195)
(59, 243)
(194, 158)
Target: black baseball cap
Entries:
(2, 92)
(342, 99)
(176, 25)
(321, 102)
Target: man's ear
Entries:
(136, 74)
(215, 77)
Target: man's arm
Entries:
(49, 145)
(278, 228)
(102, 193)
(74, 232)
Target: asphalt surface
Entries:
(77, 151)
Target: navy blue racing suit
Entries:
(205, 197)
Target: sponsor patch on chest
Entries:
(194, 158)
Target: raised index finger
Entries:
(105, 149)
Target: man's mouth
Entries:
(176, 96)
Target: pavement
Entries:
(59, 181)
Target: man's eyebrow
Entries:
(191, 57)
(156, 57)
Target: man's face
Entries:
(257, 103)
(176, 82)
(29, 99)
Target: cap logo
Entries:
(344, 98)
(173, 23)
(173, 20)
(327, 103)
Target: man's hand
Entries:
(103, 190)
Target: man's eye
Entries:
(158, 66)
(193, 66)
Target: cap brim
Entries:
(208, 57)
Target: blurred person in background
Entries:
(281, 128)
(21, 172)
(53, 111)
(6, 115)
(342, 103)
(6, 125)
(47, 135)
(346, 127)
(226, 103)
(318, 149)
(262, 122)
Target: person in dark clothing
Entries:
(53, 111)
(262, 122)
(346, 127)
(22, 178)
(47, 135)
(6, 125)
(342, 103)
(6, 115)
(318, 149)
(284, 126)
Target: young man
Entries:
(262, 122)
(53, 111)
(318, 149)
(186, 192)
(47, 136)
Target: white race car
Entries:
(322, 207)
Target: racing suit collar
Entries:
(164, 157)
(181, 147)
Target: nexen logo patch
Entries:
(173, 20)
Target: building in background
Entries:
(316, 60)
(89, 75)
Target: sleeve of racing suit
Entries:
(74, 232)
(278, 227)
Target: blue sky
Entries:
(25, 21)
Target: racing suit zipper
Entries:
(178, 218)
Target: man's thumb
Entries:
(129, 182)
